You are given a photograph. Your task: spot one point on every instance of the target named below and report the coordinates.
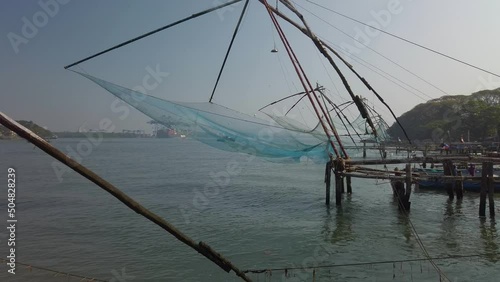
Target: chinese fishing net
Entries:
(280, 139)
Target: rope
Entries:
(363, 263)
(57, 272)
(373, 50)
(301, 75)
(365, 63)
(229, 49)
(419, 241)
(153, 32)
(320, 46)
(407, 40)
(334, 108)
(311, 35)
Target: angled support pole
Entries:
(200, 247)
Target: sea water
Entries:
(259, 214)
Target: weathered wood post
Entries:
(398, 187)
(339, 167)
(406, 202)
(342, 184)
(459, 187)
(491, 190)
(484, 188)
(349, 186)
(338, 189)
(328, 178)
(448, 171)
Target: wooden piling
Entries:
(406, 200)
(348, 182)
(448, 171)
(338, 169)
(342, 184)
(328, 178)
(338, 189)
(491, 190)
(459, 187)
(484, 188)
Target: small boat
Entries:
(434, 181)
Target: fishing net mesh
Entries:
(279, 139)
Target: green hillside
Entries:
(450, 117)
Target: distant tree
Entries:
(449, 117)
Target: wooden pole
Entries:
(339, 169)
(153, 32)
(484, 188)
(406, 202)
(448, 170)
(342, 184)
(349, 186)
(338, 189)
(459, 187)
(328, 178)
(200, 247)
(491, 190)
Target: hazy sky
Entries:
(38, 38)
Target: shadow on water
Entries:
(343, 220)
(489, 236)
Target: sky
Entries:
(38, 38)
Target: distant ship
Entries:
(166, 133)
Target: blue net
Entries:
(279, 139)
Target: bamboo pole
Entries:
(200, 247)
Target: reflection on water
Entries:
(404, 223)
(489, 237)
(343, 221)
(450, 232)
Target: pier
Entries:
(344, 170)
